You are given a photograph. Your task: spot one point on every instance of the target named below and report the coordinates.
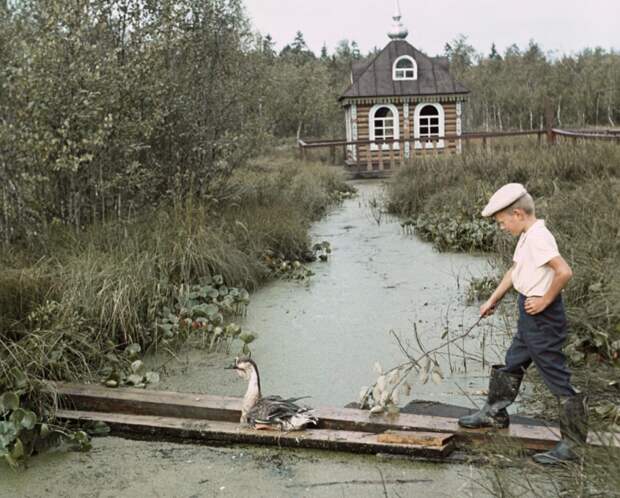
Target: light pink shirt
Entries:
(531, 275)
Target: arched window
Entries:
(428, 123)
(405, 68)
(383, 124)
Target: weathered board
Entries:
(414, 437)
(217, 432)
(228, 409)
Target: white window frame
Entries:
(351, 135)
(413, 75)
(439, 144)
(395, 128)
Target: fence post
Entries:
(332, 154)
(549, 118)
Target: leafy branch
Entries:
(384, 393)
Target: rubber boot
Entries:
(503, 389)
(573, 431)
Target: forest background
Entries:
(108, 107)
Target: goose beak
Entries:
(231, 367)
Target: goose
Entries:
(269, 412)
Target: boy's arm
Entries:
(504, 286)
(563, 273)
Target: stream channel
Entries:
(319, 338)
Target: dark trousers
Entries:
(540, 339)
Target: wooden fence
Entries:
(391, 154)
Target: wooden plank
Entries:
(232, 433)
(228, 409)
(436, 439)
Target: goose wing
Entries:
(275, 411)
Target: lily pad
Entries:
(81, 441)
(133, 350)
(247, 338)
(152, 377)
(44, 431)
(17, 451)
(233, 329)
(8, 433)
(138, 368)
(135, 379)
(20, 380)
(9, 401)
(98, 428)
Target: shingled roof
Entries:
(374, 78)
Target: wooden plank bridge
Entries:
(211, 419)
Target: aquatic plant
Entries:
(280, 267)
(480, 289)
(127, 369)
(384, 394)
(204, 312)
(22, 433)
(455, 234)
(322, 250)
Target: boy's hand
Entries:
(535, 305)
(487, 308)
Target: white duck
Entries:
(269, 412)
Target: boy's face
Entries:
(512, 221)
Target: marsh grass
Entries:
(74, 297)
(576, 189)
(511, 473)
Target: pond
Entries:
(319, 338)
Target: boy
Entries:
(538, 274)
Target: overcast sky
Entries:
(562, 26)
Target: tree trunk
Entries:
(299, 126)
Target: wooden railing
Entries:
(588, 135)
(431, 145)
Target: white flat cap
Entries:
(503, 198)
